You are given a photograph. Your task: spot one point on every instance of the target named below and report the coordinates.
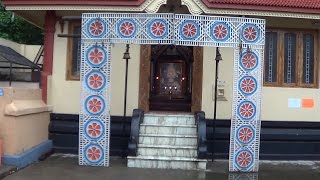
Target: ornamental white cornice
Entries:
(192, 6)
(154, 6)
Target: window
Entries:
(74, 52)
(291, 59)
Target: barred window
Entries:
(291, 59)
(74, 52)
(271, 59)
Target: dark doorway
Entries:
(171, 78)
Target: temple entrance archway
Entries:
(101, 30)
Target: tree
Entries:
(18, 30)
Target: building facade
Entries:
(290, 93)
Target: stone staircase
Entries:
(167, 142)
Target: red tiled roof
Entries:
(281, 3)
(302, 6)
(73, 2)
(296, 6)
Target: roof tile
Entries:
(312, 4)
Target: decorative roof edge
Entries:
(152, 6)
(70, 2)
(204, 9)
(147, 5)
(257, 7)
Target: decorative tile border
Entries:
(94, 124)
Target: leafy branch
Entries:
(17, 29)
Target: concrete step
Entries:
(167, 151)
(169, 119)
(172, 140)
(167, 162)
(168, 129)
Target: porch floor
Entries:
(66, 167)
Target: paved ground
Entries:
(62, 167)
(31, 85)
(6, 170)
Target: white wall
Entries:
(28, 51)
(274, 99)
(275, 104)
(225, 74)
(118, 79)
(13, 45)
(64, 95)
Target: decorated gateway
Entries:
(173, 84)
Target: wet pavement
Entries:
(6, 170)
(65, 167)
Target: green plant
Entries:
(17, 29)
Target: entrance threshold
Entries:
(169, 113)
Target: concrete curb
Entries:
(32, 155)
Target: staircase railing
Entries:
(137, 119)
(202, 134)
(38, 56)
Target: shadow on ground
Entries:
(63, 167)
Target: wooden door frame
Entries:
(144, 78)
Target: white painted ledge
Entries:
(25, 107)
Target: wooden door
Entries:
(170, 84)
